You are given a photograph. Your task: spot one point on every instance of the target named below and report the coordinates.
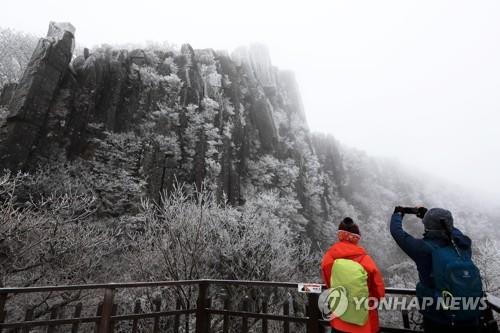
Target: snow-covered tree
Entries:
(16, 49)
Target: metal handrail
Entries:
(111, 285)
(122, 285)
(494, 303)
(106, 316)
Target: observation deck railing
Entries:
(212, 311)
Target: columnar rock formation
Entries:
(31, 100)
(222, 111)
(130, 123)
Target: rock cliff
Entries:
(132, 123)
(198, 116)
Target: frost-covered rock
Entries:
(30, 102)
(57, 30)
(135, 122)
(6, 93)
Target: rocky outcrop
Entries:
(259, 78)
(132, 123)
(199, 116)
(6, 93)
(260, 61)
(32, 98)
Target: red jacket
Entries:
(347, 250)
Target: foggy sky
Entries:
(417, 81)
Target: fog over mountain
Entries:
(137, 121)
(412, 81)
(160, 141)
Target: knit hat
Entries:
(438, 219)
(348, 224)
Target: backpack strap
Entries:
(430, 244)
(432, 247)
(450, 243)
(358, 258)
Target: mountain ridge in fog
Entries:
(133, 122)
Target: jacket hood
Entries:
(344, 249)
(462, 241)
(438, 219)
(459, 239)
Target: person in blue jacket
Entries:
(438, 223)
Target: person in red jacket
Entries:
(347, 248)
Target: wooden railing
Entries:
(198, 319)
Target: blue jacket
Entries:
(420, 252)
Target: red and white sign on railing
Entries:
(310, 288)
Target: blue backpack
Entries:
(455, 276)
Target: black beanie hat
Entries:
(348, 224)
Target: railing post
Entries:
(208, 325)
(490, 322)
(264, 321)
(201, 305)
(28, 317)
(53, 315)
(177, 319)
(244, 319)
(225, 320)
(157, 308)
(406, 318)
(135, 322)
(286, 312)
(78, 312)
(98, 314)
(313, 314)
(107, 310)
(3, 300)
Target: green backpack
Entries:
(352, 278)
